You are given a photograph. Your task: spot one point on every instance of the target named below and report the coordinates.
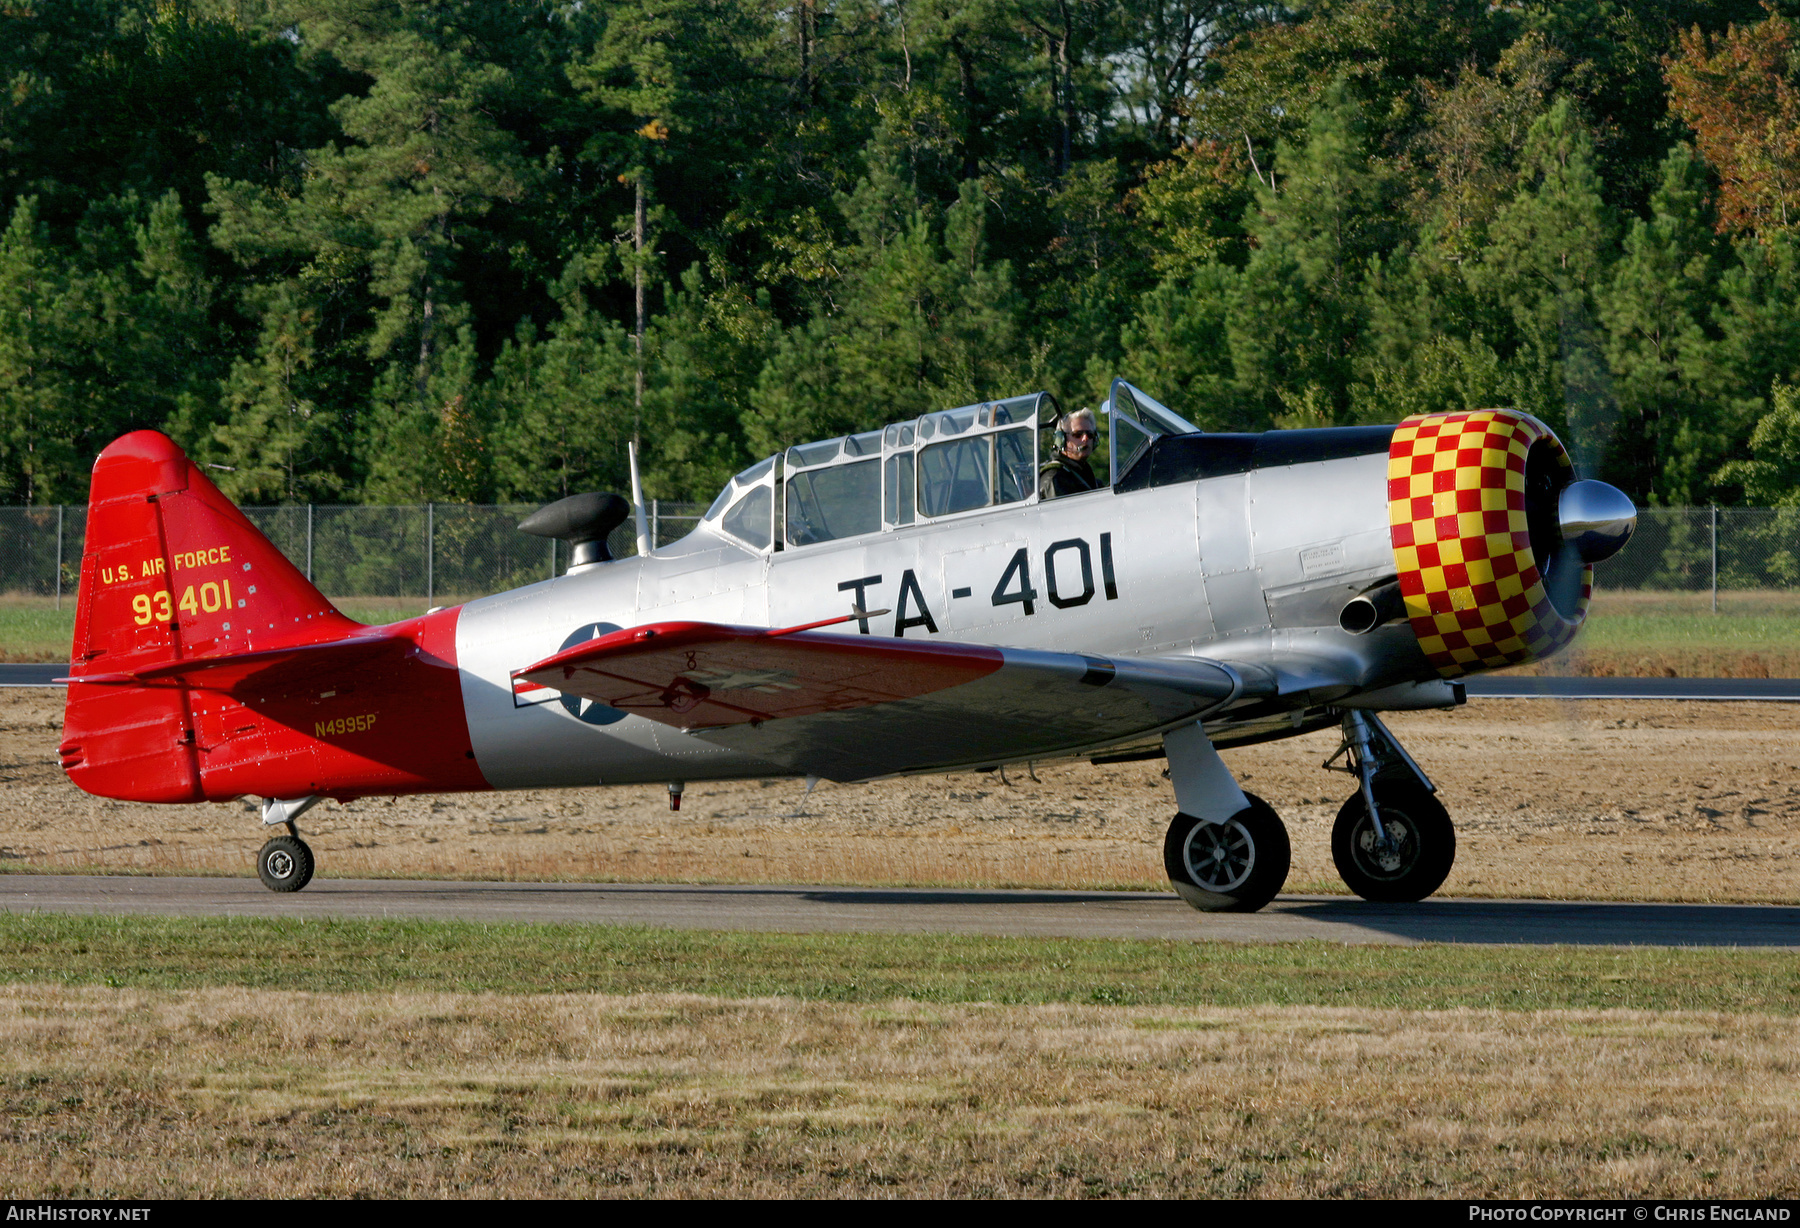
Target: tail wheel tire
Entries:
(1419, 852)
(1234, 866)
(285, 864)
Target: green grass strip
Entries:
(375, 956)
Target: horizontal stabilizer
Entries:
(251, 672)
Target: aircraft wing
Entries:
(850, 707)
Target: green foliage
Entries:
(1180, 345)
(1772, 479)
(561, 409)
(1547, 255)
(275, 443)
(1299, 309)
(1659, 344)
(45, 325)
(926, 321)
(389, 250)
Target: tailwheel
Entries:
(1413, 860)
(285, 864)
(1234, 866)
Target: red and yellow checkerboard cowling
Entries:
(1474, 590)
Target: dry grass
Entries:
(130, 1093)
(1669, 801)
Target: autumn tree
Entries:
(1738, 93)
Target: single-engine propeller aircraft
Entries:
(900, 601)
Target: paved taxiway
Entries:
(1062, 914)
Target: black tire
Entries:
(1424, 844)
(285, 864)
(1234, 866)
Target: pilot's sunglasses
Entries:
(1083, 435)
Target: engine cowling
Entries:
(1473, 506)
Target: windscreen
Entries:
(749, 519)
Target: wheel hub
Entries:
(1391, 855)
(1220, 856)
(281, 863)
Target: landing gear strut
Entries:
(1226, 851)
(1393, 841)
(285, 862)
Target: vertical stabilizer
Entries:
(171, 571)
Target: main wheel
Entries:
(285, 864)
(1418, 854)
(1234, 866)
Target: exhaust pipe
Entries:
(1367, 611)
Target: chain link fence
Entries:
(1698, 591)
(435, 554)
(1714, 551)
(455, 551)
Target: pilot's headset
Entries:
(1050, 417)
(1062, 426)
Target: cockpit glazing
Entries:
(943, 464)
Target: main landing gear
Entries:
(285, 862)
(1226, 851)
(1393, 841)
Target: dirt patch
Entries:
(1656, 801)
(258, 1093)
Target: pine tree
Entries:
(45, 322)
(424, 439)
(707, 349)
(276, 444)
(1178, 348)
(1548, 256)
(561, 409)
(1758, 341)
(926, 322)
(383, 218)
(1655, 310)
(177, 345)
(1321, 215)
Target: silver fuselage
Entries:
(1250, 568)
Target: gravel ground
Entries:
(1636, 800)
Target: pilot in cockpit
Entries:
(1068, 471)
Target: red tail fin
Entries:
(172, 571)
(206, 666)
